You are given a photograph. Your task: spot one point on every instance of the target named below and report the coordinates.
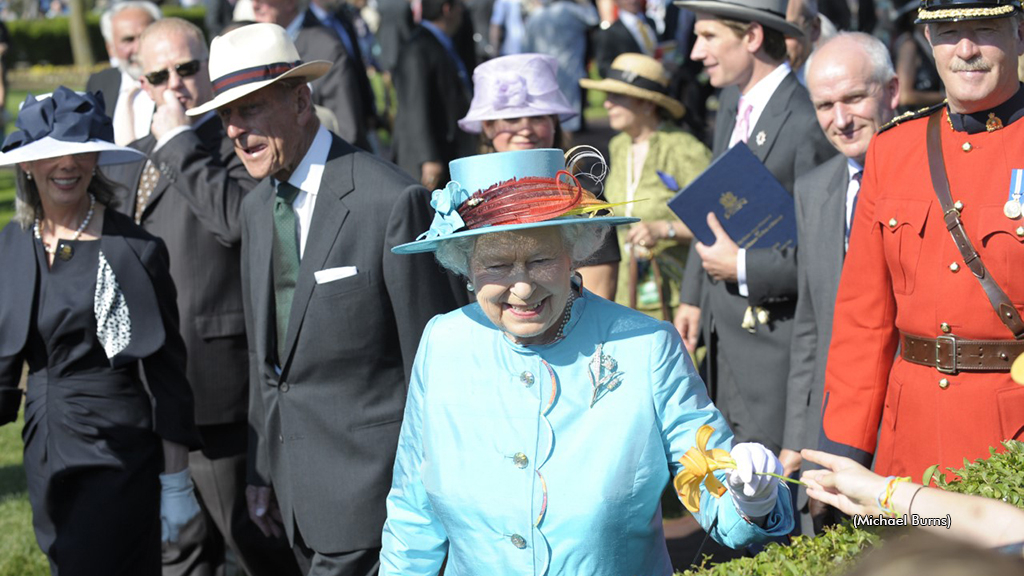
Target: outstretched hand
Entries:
(842, 483)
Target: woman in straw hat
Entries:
(654, 249)
(517, 105)
(542, 421)
(87, 296)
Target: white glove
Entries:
(178, 504)
(753, 493)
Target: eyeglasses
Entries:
(185, 69)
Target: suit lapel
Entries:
(260, 256)
(328, 217)
(835, 207)
(774, 115)
(18, 289)
(725, 120)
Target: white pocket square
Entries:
(334, 274)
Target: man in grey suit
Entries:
(333, 318)
(189, 193)
(742, 301)
(854, 91)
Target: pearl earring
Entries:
(28, 175)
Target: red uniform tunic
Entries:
(899, 276)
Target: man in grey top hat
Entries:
(742, 301)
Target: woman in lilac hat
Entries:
(517, 106)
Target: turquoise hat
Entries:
(499, 183)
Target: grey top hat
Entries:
(770, 13)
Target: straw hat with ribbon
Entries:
(516, 86)
(508, 191)
(639, 76)
(253, 57)
(768, 13)
(62, 124)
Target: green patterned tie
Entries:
(285, 261)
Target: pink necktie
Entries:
(741, 132)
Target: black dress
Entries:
(91, 455)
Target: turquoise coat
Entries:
(509, 462)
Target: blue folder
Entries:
(752, 206)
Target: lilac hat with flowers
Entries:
(516, 86)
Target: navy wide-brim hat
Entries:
(501, 192)
(962, 10)
(62, 124)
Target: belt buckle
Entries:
(952, 369)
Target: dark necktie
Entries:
(853, 209)
(285, 261)
(150, 176)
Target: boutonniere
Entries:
(604, 374)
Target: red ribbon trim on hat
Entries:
(250, 75)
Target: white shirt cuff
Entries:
(170, 134)
(741, 271)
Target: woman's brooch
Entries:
(604, 374)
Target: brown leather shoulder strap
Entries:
(937, 167)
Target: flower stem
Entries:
(780, 477)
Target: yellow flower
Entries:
(699, 463)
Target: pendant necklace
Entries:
(66, 252)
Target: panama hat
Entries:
(253, 57)
(516, 86)
(770, 13)
(639, 76)
(62, 124)
(960, 10)
(507, 191)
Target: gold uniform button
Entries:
(958, 205)
(518, 541)
(527, 378)
(1020, 231)
(892, 222)
(967, 147)
(954, 267)
(520, 460)
(944, 383)
(944, 327)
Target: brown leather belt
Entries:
(949, 354)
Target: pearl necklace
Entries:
(565, 316)
(75, 236)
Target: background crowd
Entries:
(336, 120)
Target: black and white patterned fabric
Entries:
(113, 323)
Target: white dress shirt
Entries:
(140, 103)
(306, 178)
(758, 98)
(852, 189)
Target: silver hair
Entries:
(882, 70)
(581, 240)
(107, 20)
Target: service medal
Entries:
(1011, 209)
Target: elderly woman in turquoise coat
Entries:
(543, 422)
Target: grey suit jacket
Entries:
(195, 208)
(821, 228)
(108, 83)
(326, 427)
(338, 90)
(788, 140)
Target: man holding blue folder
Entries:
(742, 301)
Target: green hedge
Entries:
(833, 552)
(46, 41)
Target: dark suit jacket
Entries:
(431, 100)
(139, 262)
(612, 41)
(356, 58)
(338, 90)
(821, 228)
(195, 209)
(326, 428)
(792, 144)
(107, 82)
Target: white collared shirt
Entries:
(852, 189)
(633, 22)
(307, 177)
(141, 104)
(758, 98)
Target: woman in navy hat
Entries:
(87, 301)
(543, 421)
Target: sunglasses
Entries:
(184, 70)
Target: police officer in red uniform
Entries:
(927, 320)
